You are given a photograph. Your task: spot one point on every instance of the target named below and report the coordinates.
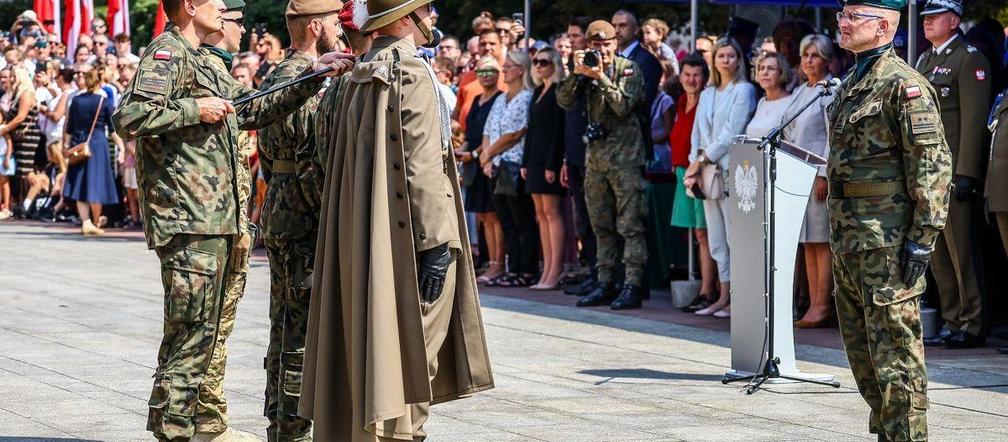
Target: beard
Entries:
(325, 43)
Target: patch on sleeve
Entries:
(981, 74)
(912, 91)
(155, 82)
(628, 72)
(163, 55)
(923, 123)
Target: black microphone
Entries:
(828, 86)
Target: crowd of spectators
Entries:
(520, 153)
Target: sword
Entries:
(280, 86)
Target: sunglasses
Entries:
(499, 30)
(487, 73)
(238, 21)
(542, 62)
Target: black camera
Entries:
(594, 132)
(592, 58)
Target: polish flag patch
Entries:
(913, 91)
(628, 72)
(981, 75)
(162, 55)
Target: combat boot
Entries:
(584, 288)
(603, 294)
(629, 298)
(228, 435)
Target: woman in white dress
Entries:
(809, 132)
(724, 109)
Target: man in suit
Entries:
(960, 75)
(627, 33)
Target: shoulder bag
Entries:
(80, 152)
(707, 182)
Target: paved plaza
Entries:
(80, 323)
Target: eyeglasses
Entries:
(487, 73)
(854, 17)
(542, 62)
(238, 21)
(500, 30)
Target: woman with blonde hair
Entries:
(501, 158)
(541, 163)
(21, 125)
(723, 112)
(90, 183)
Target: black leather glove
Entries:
(914, 261)
(965, 187)
(432, 271)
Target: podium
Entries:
(752, 252)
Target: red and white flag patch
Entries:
(162, 55)
(628, 72)
(913, 91)
(981, 75)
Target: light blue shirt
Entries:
(720, 116)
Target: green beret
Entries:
(234, 5)
(895, 5)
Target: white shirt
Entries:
(629, 49)
(508, 117)
(941, 48)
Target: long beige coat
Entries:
(388, 195)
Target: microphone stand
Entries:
(770, 369)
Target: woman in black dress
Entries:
(541, 163)
(478, 187)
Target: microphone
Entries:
(828, 86)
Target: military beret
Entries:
(297, 8)
(939, 6)
(234, 5)
(895, 5)
(600, 30)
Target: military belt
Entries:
(283, 166)
(866, 189)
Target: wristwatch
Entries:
(474, 154)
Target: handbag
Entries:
(508, 175)
(708, 183)
(80, 152)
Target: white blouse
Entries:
(508, 117)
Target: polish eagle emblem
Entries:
(746, 186)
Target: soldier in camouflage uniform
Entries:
(614, 162)
(211, 406)
(177, 108)
(889, 171)
(290, 223)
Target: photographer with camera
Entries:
(614, 88)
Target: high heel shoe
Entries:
(89, 229)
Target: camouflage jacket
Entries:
(187, 170)
(312, 175)
(243, 173)
(613, 102)
(286, 213)
(889, 165)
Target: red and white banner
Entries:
(118, 17)
(77, 21)
(48, 12)
(160, 21)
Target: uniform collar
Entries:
(941, 49)
(392, 42)
(225, 56)
(853, 84)
(174, 30)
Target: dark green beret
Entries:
(895, 5)
(234, 5)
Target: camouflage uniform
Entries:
(613, 169)
(188, 175)
(890, 172)
(290, 226)
(211, 406)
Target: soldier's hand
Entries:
(821, 188)
(340, 62)
(914, 261)
(965, 187)
(563, 177)
(594, 73)
(213, 109)
(432, 272)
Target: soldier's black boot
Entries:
(629, 298)
(586, 287)
(603, 294)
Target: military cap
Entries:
(895, 5)
(381, 13)
(939, 6)
(298, 8)
(600, 30)
(234, 5)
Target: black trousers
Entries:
(589, 247)
(521, 233)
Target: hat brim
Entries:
(381, 21)
(934, 11)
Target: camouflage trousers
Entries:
(211, 406)
(616, 210)
(193, 271)
(290, 296)
(881, 329)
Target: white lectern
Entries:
(762, 260)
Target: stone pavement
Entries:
(81, 321)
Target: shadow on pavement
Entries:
(644, 373)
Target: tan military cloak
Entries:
(365, 357)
